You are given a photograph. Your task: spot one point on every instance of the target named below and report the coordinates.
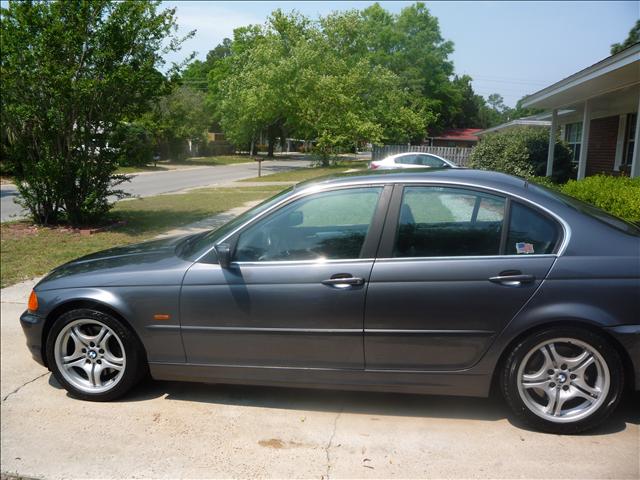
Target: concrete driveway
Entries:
(171, 430)
(155, 183)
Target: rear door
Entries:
(455, 266)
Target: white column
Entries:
(622, 131)
(584, 141)
(635, 161)
(552, 141)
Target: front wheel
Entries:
(94, 355)
(563, 380)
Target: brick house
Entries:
(596, 113)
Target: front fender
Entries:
(136, 305)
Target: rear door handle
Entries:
(343, 280)
(512, 279)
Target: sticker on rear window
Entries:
(522, 247)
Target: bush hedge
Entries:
(522, 151)
(619, 196)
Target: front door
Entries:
(456, 266)
(294, 293)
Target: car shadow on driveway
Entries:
(358, 402)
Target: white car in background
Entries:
(411, 160)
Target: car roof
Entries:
(462, 176)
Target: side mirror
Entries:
(223, 251)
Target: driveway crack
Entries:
(24, 384)
(330, 443)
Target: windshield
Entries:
(589, 210)
(194, 246)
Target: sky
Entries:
(510, 48)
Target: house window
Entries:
(630, 139)
(573, 136)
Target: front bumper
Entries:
(629, 337)
(32, 326)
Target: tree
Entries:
(408, 44)
(72, 71)
(178, 121)
(633, 37)
(519, 111)
(196, 73)
(294, 77)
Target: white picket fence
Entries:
(458, 155)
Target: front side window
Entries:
(444, 221)
(530, 232)
(327, 225)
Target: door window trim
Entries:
(389, 233)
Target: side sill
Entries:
(431, 383)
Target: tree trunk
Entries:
(271, 141)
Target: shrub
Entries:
(522, 151)
(619, 196)
(133, 145)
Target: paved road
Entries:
(155, 183)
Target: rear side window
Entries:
(442, 221)
(430, 161)
(530, 232)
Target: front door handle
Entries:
(343, 280)
(512, 279)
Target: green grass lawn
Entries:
(28, 251)
(211, 161)
(144, 168)
(301, 174)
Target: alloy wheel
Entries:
(563, 380)
(90, 355)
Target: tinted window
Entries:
(530, 232)
(329, 225)
(441, 221)
(430, 161)
(194, 246)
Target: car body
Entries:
(417, 160)
(423, 282)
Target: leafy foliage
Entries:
(620, 196)
(178, 119)
(72, 71)
(135, 145)
(633, 37)
(522, 151)
(291, 77)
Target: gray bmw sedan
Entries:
(451, 282)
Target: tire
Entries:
(567, 389)
(94, 356)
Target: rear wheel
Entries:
(94, 355)
(563, 380)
